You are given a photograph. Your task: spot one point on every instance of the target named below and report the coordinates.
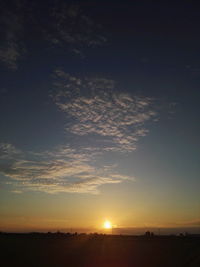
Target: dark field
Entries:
(98, 250)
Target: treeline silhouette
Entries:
(59, 234)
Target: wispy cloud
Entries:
(101, 118)
(96, 108)
(62, 24)
(8, 151)
(61, 170)
(70, 26)
(11, 48)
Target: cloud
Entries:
(8, 151)
(61, 170)
(62, 24)
(12, 47)
(68, 25)
(114, 119)
(100, 120)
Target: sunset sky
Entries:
(99, 104)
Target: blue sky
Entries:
(100, 101)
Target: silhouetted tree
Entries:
(147, 234)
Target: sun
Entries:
(107, 225)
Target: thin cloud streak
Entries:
(8, 151)
(62, 170)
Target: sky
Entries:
(99, 104)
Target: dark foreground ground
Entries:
(98, 250)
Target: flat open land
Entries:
(98, 250)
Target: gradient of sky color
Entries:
(99, 114)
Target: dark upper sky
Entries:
(107, 87)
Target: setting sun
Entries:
(107, 225)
